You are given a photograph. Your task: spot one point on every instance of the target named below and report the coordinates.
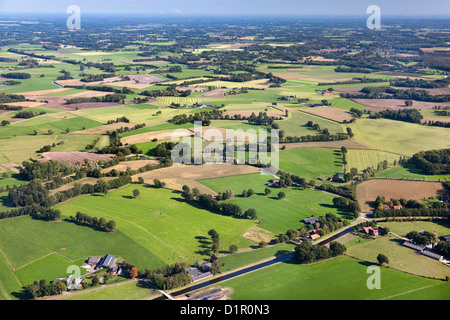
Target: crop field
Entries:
(399, 137)
(362, 159)
(368, 191)
(294, 125)
(348, 277)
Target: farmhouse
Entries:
(311, 220)
(199, 273)
(444, 238)
(288, 98)
(371, 231)
(273, 182)
(338, 177)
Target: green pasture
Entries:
(345, 278)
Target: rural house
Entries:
(311, 220)
(371, 231)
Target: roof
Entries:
(108, 260)
(314, 236)
(367, 229)
(311, 220)
(413, 246)
(445, 238)
(432, 255)
(94, 260)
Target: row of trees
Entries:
(94, 222)
(407, 115)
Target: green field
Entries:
(400, 257)
(340, 278)
(160, 222)
(311, 163)
(399, 137)
(274, 214)
(409, 172)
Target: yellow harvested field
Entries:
(160, 135)
(211, 134)
(133, 165)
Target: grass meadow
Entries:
(341, 278)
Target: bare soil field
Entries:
(43, 92)
(71, 158)
(145, 78)
(367, 192)
(218, 93)
(335, 114)
(349, 144)
(133, 165)
(394, 104)
(160, 135)
(178, 175)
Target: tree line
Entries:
(94, 222)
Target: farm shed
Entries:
(413, 246)
(108, 261)
(432, 255)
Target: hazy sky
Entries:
(188, 7)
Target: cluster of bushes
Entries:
(423, 238)
(347, 204)
(121, 119)
(47, 214)
(94, 222)
(29, 194)
(407, 115)
(16, 75)
(432, 162)
(307, 252)
(171, 91)
(10, 108)
(169, 277)
(28, 114)
(6, 98)
(42, 289)
(115, 98)
(32, 170)
(345, 191)
(97, 77)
